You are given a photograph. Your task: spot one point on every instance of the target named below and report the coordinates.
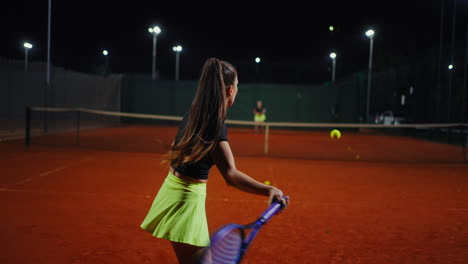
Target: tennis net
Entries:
(132, 132)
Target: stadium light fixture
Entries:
(156, 30)
(177, 50)
(27, 46)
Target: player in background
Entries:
(259, 116)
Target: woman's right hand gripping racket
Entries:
(230, 242)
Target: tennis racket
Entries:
(230, 243)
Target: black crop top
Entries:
(200, 169)
(259, 110)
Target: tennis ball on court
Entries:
(267, 182)
(358, 157)
(335, 133)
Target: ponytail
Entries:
(207, 114)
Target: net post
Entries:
(78, 127)
(267, 133)
(27, 135)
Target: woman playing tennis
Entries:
(259, 116)
(178, 211)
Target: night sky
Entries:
(291, 38)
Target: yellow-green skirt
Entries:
(259, 118)
(178, 212)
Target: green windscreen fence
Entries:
(284, 103)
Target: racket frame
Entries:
(255, 227)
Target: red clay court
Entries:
(402, 200)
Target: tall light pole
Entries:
(333, 57)
(177, 50)
(257, 61)
(452, 60)
(27, 46)
(465, 87)
(450, 67)
(106, 62)
(49, 22)
(155, 31)
(439, 62)
(369, 33)
(47, 86)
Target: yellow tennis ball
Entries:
(267, 182)
(358, 157)
(335, 133)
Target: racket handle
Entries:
(274, 208)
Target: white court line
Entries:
(15, 190)
(24, 181)
(50, 192)
(54, 170)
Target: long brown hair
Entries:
(207, 114)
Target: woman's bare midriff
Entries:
(186, 178)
